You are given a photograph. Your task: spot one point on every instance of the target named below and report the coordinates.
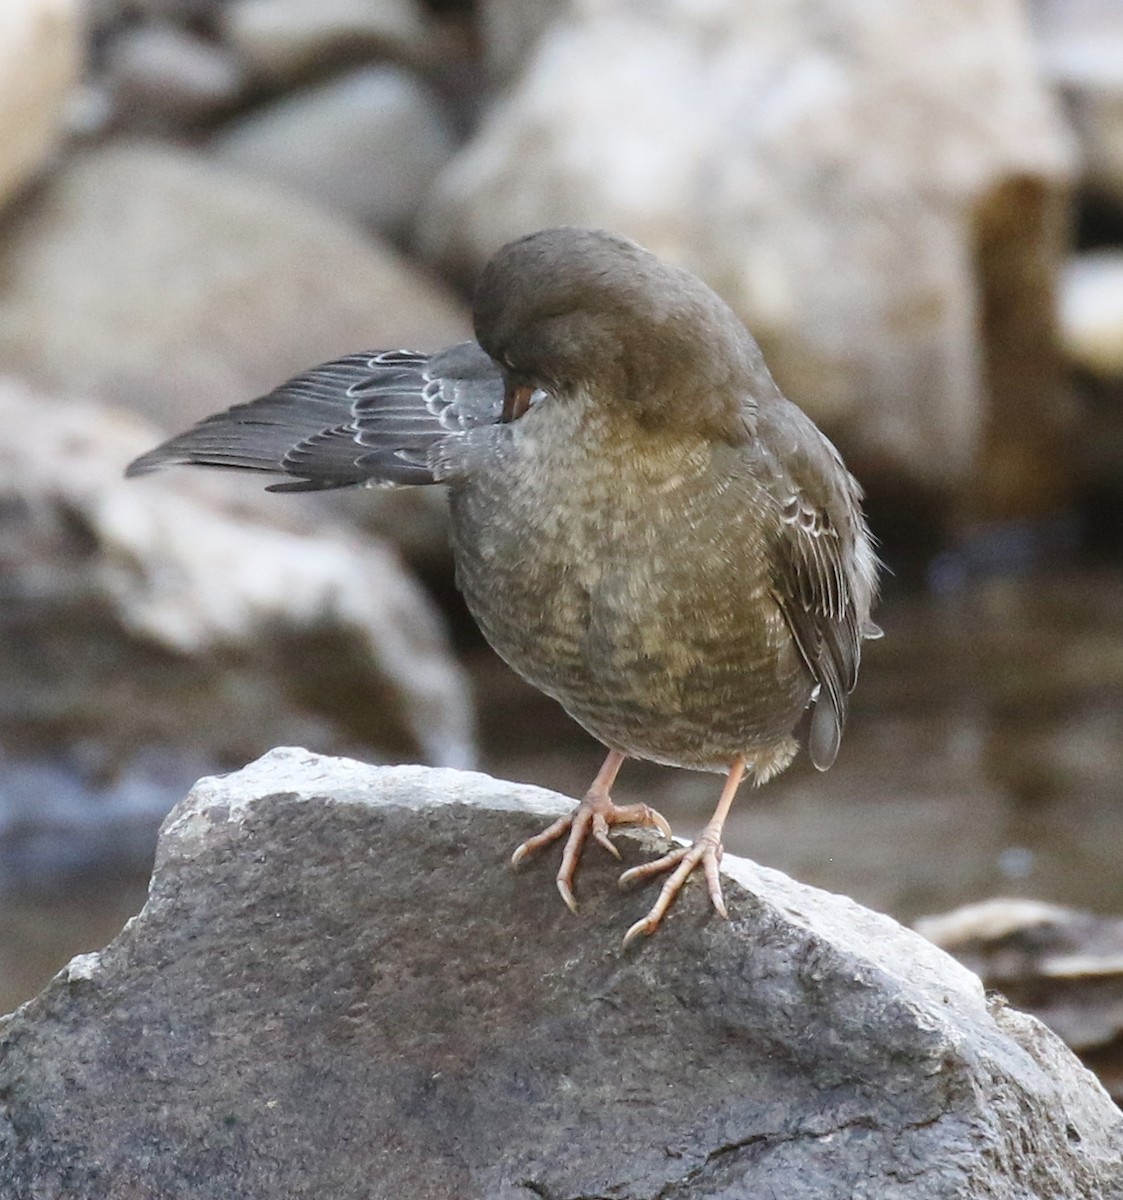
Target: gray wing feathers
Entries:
(824, 582)
(370, 419)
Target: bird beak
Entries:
(516, 400)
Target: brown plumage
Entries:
(643, 526)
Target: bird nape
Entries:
(643, 526)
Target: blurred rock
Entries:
(160, 77)
(1081, 50)
(40, 60)
(370, 144)
(1091, 308)
(510, 29)
(1092, 323)
(177, 619)
(285, 40)
(148, 277)
(318, 927)
(1065, 967)
(869, 189)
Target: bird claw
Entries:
(707, 852)
(594, 815)
(567, 895)
(600, 835)
(550, 834)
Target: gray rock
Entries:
(1091, 316)
(1081, 52)
(1091, 312)
(369, 143)
(880, 200)
(510, 29)
(151, 278)
(1063, 965)
(150, 627)
(282, 40)
(40, 61)
(161, 77)
(337, 988)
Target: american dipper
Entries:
(643, 526)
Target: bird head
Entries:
(583, 312)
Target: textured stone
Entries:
(285, 39)
(148, 277)
(510, 29)
(1064, 966)
(159, 77)
(1092, 313)
(40, 60)
(151, 627)
(337, 988)
(878, 192)
(369, 143)
(1081, 52)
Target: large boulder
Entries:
(368, 143)
(148, 277)
(40, 61)
(338, 988)
(283, 41)
(1063, 965)
(879, 192)
(1081, 53)
(155, 627)
(1092, 323)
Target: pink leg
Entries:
(706, 849)
(595, 814)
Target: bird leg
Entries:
(705, 849)
(594, 814)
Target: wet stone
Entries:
(337, 988)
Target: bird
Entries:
(643, 526)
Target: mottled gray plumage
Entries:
(643, 526)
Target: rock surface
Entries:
(1063, 965)
(153, 628)
(369, 144)
(159, 77)
(1081, 52)
(40, 59)
(337, 988)
(879, 196)
(1092, 313)
(148, 277)
(285, 39)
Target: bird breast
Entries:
(626, 574)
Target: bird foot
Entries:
(707, 851)
(594, 815)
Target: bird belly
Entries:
(648, 619)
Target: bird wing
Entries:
(823, 569)
(369, 419)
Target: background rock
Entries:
(1092, 326)
(369, 144)
(154, 628)
(880, 198)
(1081, 53)
(1092, 313)
(338, 988)
(282, 40)
(161, 77)
(147, 277)
(510, 29)
(40, 58)
(1064, 966)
